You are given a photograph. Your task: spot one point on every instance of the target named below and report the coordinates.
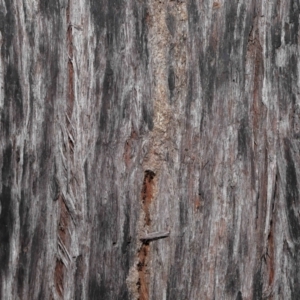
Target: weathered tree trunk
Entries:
(149, 149)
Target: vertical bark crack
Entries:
(70, 94)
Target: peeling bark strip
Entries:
(199, 100)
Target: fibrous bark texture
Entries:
(122, 120)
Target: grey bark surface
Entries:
(122, 120)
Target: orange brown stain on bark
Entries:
(147, 194)
(143, 254)
(147, 18)
(143, 281)
(197, 203)
(216, 5)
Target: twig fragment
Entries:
(155, 236)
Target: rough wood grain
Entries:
(125, 117)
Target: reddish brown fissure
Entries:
(271, 257)
(64, 216)
(128, 148)
(64, 221)
(255, 55)
(70, 87)
(271, 242)
(64, 238)
(59, 277)
(143, 254)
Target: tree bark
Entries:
(149, 149)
